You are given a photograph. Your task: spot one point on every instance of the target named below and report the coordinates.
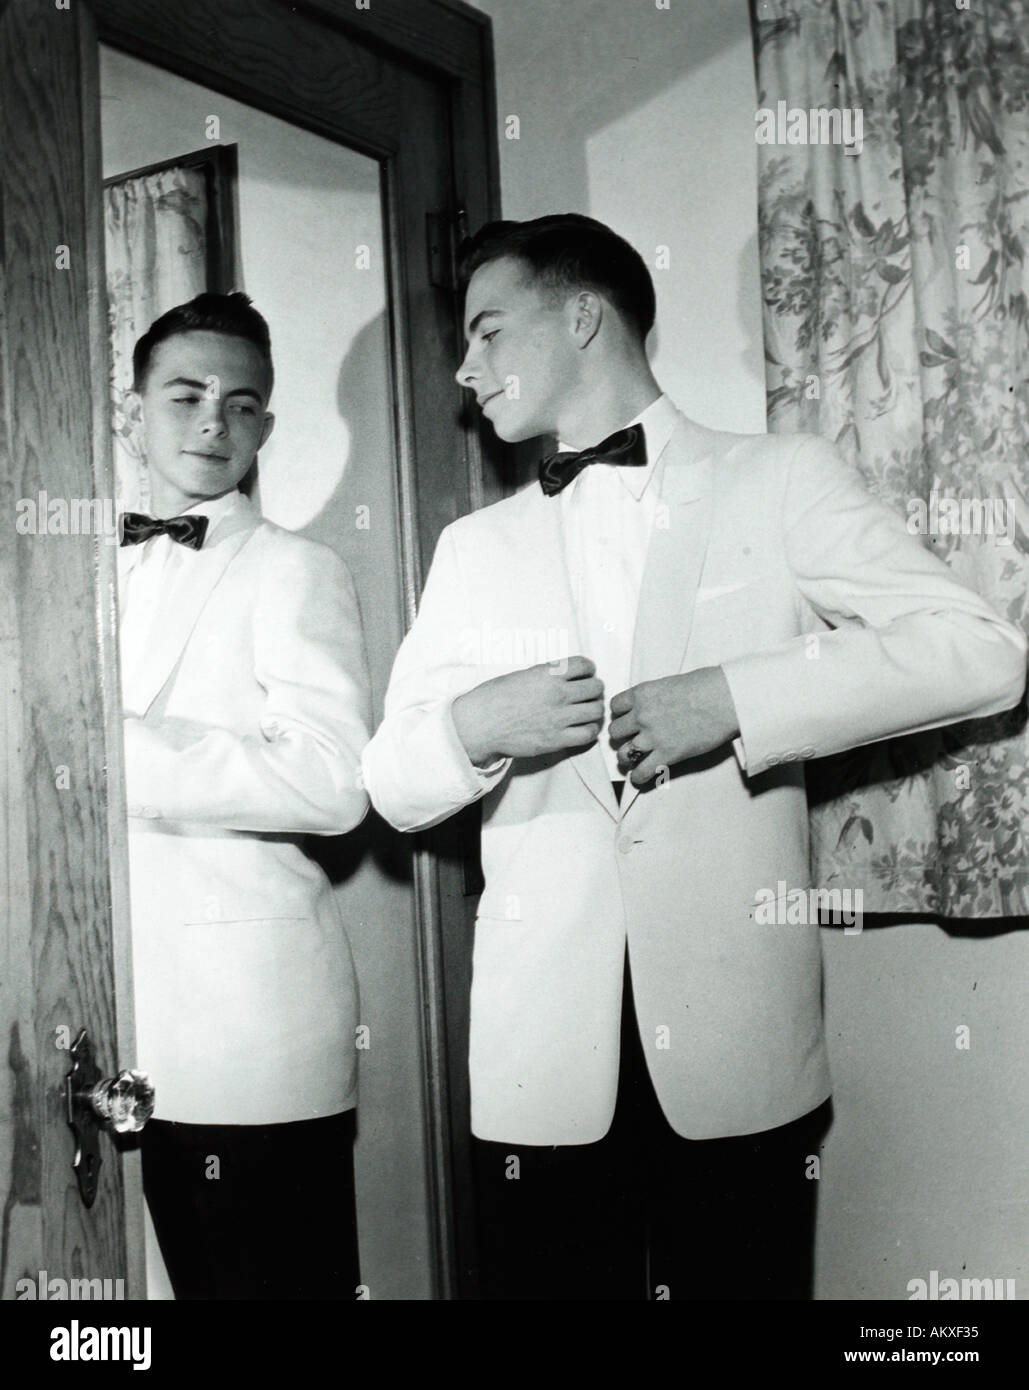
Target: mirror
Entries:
(298, 221)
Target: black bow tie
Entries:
(626, 447)
(187, 530)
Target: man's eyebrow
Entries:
(185, 381)
(483, 314)
(202, 386)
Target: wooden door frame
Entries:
(65, 953)
(451, 44)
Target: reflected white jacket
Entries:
(245, 719)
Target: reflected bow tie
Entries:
(626, 447)
(187, 530)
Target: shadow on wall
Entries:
(371, 551)
(752, 358)
(622, 55)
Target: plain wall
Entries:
(305, 206)
(644, 118)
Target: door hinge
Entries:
(444, 232)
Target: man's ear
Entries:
(132, 406)
(267, 427)
(587, 313)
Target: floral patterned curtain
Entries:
(895, 279)
(156, 245)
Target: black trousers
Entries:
(645, 1214)
(254, 1211)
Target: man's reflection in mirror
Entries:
(246, 702)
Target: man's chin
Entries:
(510, 433)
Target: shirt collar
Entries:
(659, 421)
(215, 509)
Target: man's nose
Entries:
(468, 372)
(212, 422)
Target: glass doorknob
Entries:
(122, 1103)
(125, 1101)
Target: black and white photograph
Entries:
(514, 592)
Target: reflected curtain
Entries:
(896, 323)
(155, 226)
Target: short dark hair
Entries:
(569, 251)
(232, 314)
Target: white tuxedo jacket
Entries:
(246, 716)
(758, 540)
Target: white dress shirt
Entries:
(607, 516)
(144, 572)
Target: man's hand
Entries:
(525, 713)
(672, 719)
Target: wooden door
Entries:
(407, 82)
(65, 944)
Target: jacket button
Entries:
(807, 752)
(790, 757)
(624, 844)
(772, 760)
(151, 812)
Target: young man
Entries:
(739, 604)
(246, 704)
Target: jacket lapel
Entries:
(146, 671)
(675, 559)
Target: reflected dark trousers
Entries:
(644, 1214)
(272, 1219)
